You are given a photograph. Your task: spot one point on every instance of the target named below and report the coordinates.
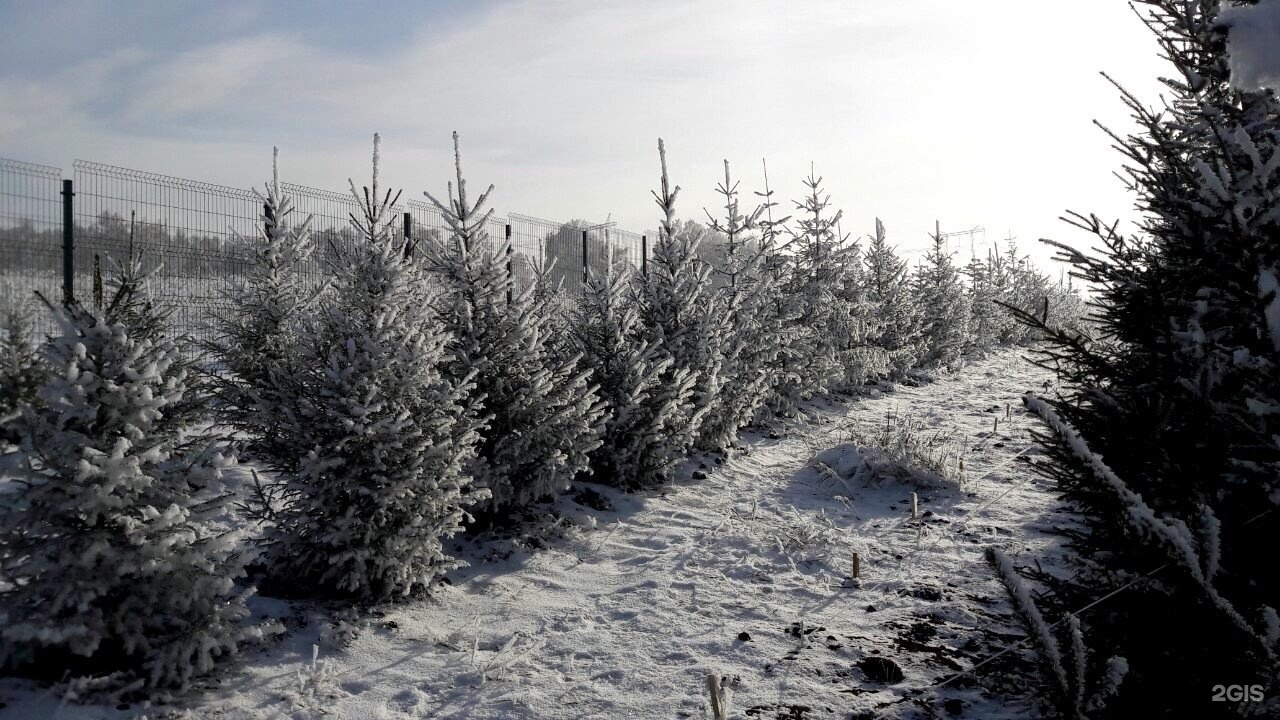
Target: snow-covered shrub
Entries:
(110, 554)
(256, 336)
(1067, 676)
(21, 373)
(897, 325)
(944, 306)
(388, 433)
(1178, 392)
(1025, 289)
(681, 314)
(905, 448)
(642, 439)
(316, 684)
(542, 414)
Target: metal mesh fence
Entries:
(529, 245)
(427, 224)
(30, 237)
(331, 232)
(187, 232)
(184, 230)
(628, 248)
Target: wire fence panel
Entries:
(191, 235)
(528, 247)
(185, 231)
(30, 237)
(629, 249)
(533, 242)
(331, 233)
(428, 225)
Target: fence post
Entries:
(68, 243)
(510, 279)
(408, 236)
(268, 221)
(644, 255)
(584, 258)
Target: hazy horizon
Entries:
(912, 112)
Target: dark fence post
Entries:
(644, 255)
(510, 279)
(584, 259)
(268, 221)
(68, 243)
(408, 235)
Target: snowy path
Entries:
(620, 608)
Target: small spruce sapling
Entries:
(257, 335)
(388, 433)
(114, 558)
(825, 322)
(680, 309)
(542, 414)
(750, 342)
(647, 404)
(677, 304)
(944, 306)
(888, 287)
(780, 312)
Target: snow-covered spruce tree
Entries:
(112, 559)
(256, 336)
(826, 281)
(944, 306)
(680, 311)
(547, 290)
(861, 359)
(21, 372)
(898, 315)
(1177, 390)
(1027, 289)
(780, 313)
(1068, 308)
(642, 440)
(543, 416)
(388, 432)
(1007, 283)
(989, 323)
(751, 343)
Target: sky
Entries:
(971, 114)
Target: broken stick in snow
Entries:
(719, 709)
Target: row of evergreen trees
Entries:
(414, 392)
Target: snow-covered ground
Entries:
(619, 606)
